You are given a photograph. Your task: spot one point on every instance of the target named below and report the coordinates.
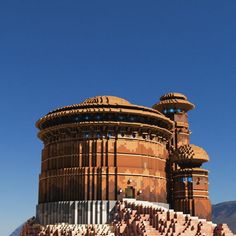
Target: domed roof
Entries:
(96, 101)
(111, 100)
(173, 100)
(169, 96)
(190, 154)
(103, 105)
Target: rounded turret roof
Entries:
(173, 100)
(169, 96)
(190, 153)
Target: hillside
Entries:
(225, 212)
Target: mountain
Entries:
(225, 212)
(17, 231)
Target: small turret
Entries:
(188, 181)
(172, 103)
(175, 106)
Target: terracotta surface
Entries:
(95, 154)
(188, 182)
(106, 148)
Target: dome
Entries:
(100, 109)
(190, 154)
(104, 103)
(95, 101)
(110, 100)
(173, 101)
(173, 96)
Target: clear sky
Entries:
(55, 53)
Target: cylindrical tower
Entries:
(97, 152)
(175, 106)
(191, 182)
(185, 192)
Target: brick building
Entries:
(105, 151)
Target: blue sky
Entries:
(55, 53)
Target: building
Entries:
(188, 181)
(106, 160)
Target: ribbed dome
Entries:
(111, 100)
(190, 154)
(173, 101)
(105, 101)
(100, 109)
(173, 96)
